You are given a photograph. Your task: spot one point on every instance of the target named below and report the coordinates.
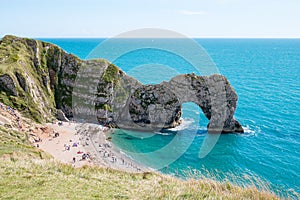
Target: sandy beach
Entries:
(77, 144)
(84, 144)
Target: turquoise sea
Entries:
(265, 74)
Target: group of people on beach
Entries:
(104, 149)
(84, 156)
(109, 155)
(106, 153)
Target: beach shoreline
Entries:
(73, 143)
(80, 144)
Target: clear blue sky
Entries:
(194, 18)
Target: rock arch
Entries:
(159, 106)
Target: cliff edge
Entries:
(42, 81)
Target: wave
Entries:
(184, 125)
(251, 130)
(125, 154)
(164, 133)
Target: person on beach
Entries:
(75, 144)
(56, 134)
(74, 159)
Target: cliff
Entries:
(36, 77)
(42, 81)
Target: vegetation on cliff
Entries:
(37, 78)
(111, 74)
(25, 62)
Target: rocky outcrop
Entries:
(22, 81)
(42, 80)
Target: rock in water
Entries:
(45, 80)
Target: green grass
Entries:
(44, 179)
(13, 142)
(111, 74)
(104, 107)
(22, 104)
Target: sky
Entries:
(193, 18)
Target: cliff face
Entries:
(36, 77)
(39, 78)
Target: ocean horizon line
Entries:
(279, 38)
(208, 37)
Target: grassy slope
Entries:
(28, 173)
(18, 57)
(36, 179)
